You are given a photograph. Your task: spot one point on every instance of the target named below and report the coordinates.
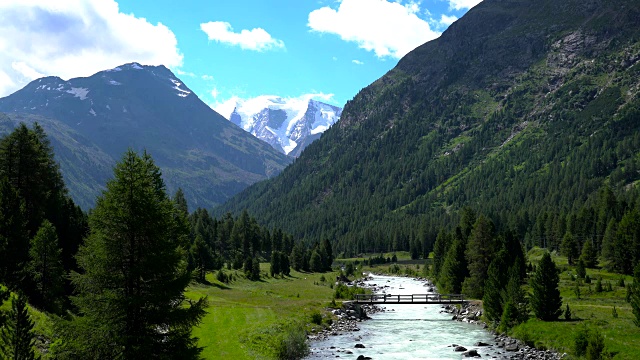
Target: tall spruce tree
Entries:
(569, 247)
(634, 295)
(492, 300)
(545, 297)
(14, 243)
(440, 248)
(454, 268)
(16, 336)
(45, 266)
(480, 251)
(130, 293)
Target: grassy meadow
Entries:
(246, 319)
(591, 309)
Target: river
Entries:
(405, 331)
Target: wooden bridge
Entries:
(409, 299)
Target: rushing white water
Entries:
(405, 331)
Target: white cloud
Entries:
(215, 93)
(25, 70)
(225, 108)
(185, 73)
(335, 58)
(71, 38)
(447, 20)
(255, 39)
(207, 77)
(387, 28)
(463, 4)
(357, 62)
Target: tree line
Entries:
(113, 280)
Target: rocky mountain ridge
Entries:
(93, 120)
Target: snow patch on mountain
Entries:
(181, 92)
(284, 123)
(79, 92)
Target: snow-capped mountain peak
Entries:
(287, 124)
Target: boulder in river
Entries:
(480, 343)
(460, 348)
(471, 353)
(359, 346)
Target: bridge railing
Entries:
(408, 299)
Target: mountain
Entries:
(92, 121)
(522, 110)
(288, 125)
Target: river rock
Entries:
(512, 347)
(362, 357)
(359, 346)
(471, 353)
(460, 348)
(480, 343)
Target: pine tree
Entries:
(494, 286)
(315, 262)
(481, 248)
(569, 247)
(440, 248)
(589, 255)
(284, 264)
(130, 293)
(516, 295)
(45, 265)
(545, 296)
(14, 243)
(567, 313)
(201, 257)
(581, 272)
(454, 268)
(16, 336)
(634, 295)
(274, 269)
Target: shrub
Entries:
(222, 277)
(343, 291)
(599, 285)
(567, 313)
(293, 344)
(587, 279)
(316, 318)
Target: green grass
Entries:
(592, 309)
(245, 319)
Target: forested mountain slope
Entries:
(520, 108)
(92, 121)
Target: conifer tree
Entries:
(481, 248)
(516, 296)
(201, 258)
(16, 336)
(454, 268)
(634, 295)
(589, 255)
(274, 269)
(545, 296)
(284, 264)
(492, 300)
(440, 248)
(45, 266)
(569, 247)
(14, 244)
(130, 293)
(315, 262)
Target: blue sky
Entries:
(223, 50)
